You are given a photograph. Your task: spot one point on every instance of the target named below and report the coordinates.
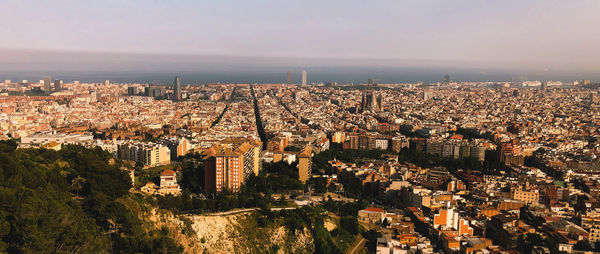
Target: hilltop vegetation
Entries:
(79, 200)
(71, 200)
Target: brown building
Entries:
(489, 211)
(228, 164)
(474, 245)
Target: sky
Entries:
(533, 35)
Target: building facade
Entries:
(227, 164)
(149, 154)
(305, 164)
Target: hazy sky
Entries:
(539, 34)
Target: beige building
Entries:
(149, 154)
(168, 183)
(305, 164)
(338, 137)
(593, 226)
(177, 146)
(150, 188)
(371, 215)
(527, 196)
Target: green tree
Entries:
(371, 236)
(350, 224)
(77, 184)
(38, 212)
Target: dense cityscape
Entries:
(307, 126)
(469, 167)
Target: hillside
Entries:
(78, 200)
(73, 201)
(239, 233)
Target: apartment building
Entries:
(227, 164)
(305, 164)
(149, 154)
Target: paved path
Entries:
(357, 245)
(237, 211)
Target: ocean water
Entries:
(315, 75)
(193, 69)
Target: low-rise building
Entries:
(168, 183)
(371, 215)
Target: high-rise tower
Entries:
(177, 89)
(47, 87)
(57, 85)
(289, 77)
(303, 78)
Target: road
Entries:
(334, 196)
(357, 245)
(237, 211)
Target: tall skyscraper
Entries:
(177, 89)
(132, 91)
(303, 78)
(544, 85)
(57, 85)
(289, 77)
(47, 87)
(107, 82)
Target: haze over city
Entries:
(254, 41)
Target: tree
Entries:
(35, 181)
(350, 224)
(77, 184)
(138, 166)
(371, 236)
(385, 223)
(319, 185)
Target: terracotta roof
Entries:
(374, 209)
(306, 152)
(167, 172)
(456, 136)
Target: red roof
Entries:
(413, 209)
(168, 172)
(374, 209)
(456, 136)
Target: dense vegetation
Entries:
(310, 218)
(72, 200)
(433, 160)
(321, 160)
